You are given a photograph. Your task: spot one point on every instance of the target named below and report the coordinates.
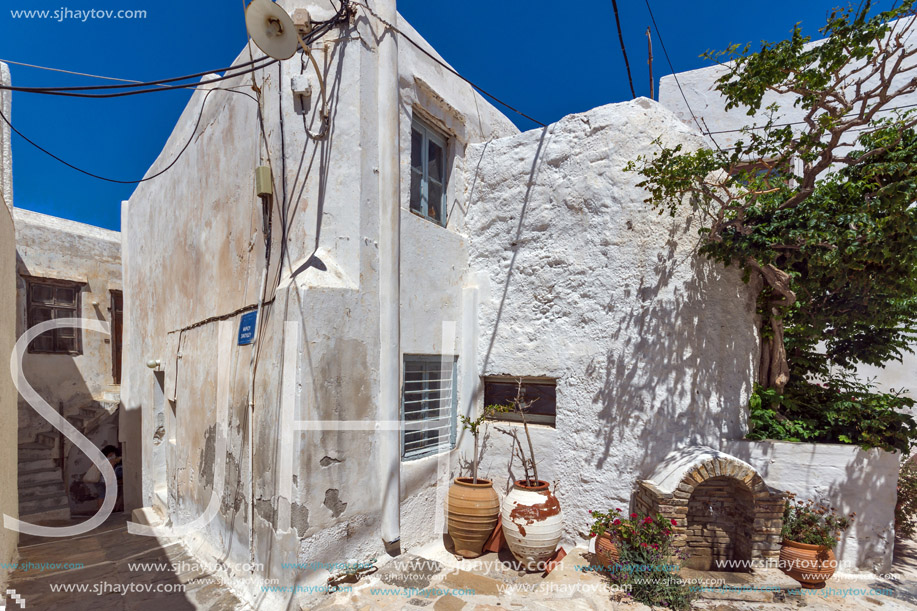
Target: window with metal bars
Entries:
(51, 300)
(428, 405)
(428, 172)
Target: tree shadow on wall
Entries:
(679, 367)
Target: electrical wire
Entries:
(445, 65)
(630, 80)
(675, 76)
(123, 182)
(134, 84)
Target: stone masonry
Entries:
(723, 511)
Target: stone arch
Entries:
(745, 517)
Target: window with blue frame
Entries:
(428, 405)
(428, 172)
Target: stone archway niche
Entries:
(725, 515)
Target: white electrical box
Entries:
(302, 85)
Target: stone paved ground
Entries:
(106, 555)
(426, 579)
(442, 582)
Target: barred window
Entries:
(51, 300)
(428, 405)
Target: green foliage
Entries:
(813, 523)
(825, 218)
(906, 507)
(844, 411)
(648, 562)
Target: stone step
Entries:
(36, 476)
(34, 466)
(30, 452)
(758, 586)
(46, 439)
(41, 489)
(43, 504)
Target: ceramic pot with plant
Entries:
(603, 526)
(531, 518)
(810, 533)
(473, 506)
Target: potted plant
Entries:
(810, 533)
(604, 525)
(531, 518)
(472, 507)
(648, 562)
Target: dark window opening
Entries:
(501, 390)
(52, 300)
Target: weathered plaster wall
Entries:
(9, 500)
(194, 254)
(579, 280)
(82, 386)
(844, 476)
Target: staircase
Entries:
(42, 494)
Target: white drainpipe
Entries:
(389, 273)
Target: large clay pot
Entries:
(472, 511)
(810, 565)
(606, 551)
(532, 524)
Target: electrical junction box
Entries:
(264, 183)
(301, 85)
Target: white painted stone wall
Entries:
(579, 280)
(6, 148)
(193, 254)
(845, 477)
(52, 248)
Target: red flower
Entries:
(643, 544)
(616, 522)
(647, 520)
(591, 534)
(618, 509)
(591, 512)
(633, 515)
(674, 523)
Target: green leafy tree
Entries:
(820, 213)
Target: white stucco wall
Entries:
(579, 280)
(843, 476)
(48, 247)
(199, 259)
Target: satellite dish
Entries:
(272, 29)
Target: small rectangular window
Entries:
(51, 300)
(428, 172)
(501, 390)
(428, 405)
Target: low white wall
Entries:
(845, 477)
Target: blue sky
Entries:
(548, 59)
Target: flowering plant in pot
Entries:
(647, 560)
(810, 533)
(472, 507)
(531, 517)
(604, 525)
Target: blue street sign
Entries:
(247, 328)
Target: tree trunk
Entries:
(774, 369)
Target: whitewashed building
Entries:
(422, 256)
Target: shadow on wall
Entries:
(845, 477)
(677, 376)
